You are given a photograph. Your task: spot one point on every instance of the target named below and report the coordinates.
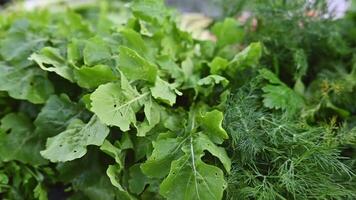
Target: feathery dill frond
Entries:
(276, 157)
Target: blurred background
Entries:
(211, 8)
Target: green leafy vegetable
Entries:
(72, 143)
(112, 100)
(51, 56)
(18, 142)
(228, 32)
(117, 108)
(25, 83)
(135, 67)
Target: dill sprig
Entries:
(276, 157)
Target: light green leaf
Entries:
(206, 85)
(96, 51)
(165, 151)
(170, 68)
(282, 97)
(228, 32)
(75, 51)
(51, 56)
(134, 41)
(4, 179)
(218, 65)
(270, 76)
(73, 25)
(249, 57)
(213, 80)
(25, 83)
(71, 144)
(116, 104)
(190, 78)
(211, 123)
(175, 120)
(113, 173)
(40, 192)
(197, 180)
(203, 142)
(20, 42)
(150, 10)
(92, 77)
(112, 151)
(135, 67)
(278, 95)
(189, 176)
(17, 140)
(301, 63)
(152, 112)
(164, 92)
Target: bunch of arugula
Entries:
(121, 107)
(112, 100)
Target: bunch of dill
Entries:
(278, 157)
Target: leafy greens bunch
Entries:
(114, 102)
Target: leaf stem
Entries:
(132, 100)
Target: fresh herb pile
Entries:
(113, 100)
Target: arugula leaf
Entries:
(40, 192)
(171, 69)
(218, 65)
(193, 181)
(228, 32)
(56, 115)
(19, 42)
(134, 41)
(186, 169)
(112, 151)
(165, 151)
(90, 182)
(18, 141)
(72, 24)
(92, 77)
(116, 104)
(150, 10)
(152, 112)
(135, 67)
(211, 123)
(163, 91)
(75, 51)
(112, 172)
(249, 57)
(96, 51)
(138, 181)
(212, 80)
(51, 56)
(25, 83)
(71, 144)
